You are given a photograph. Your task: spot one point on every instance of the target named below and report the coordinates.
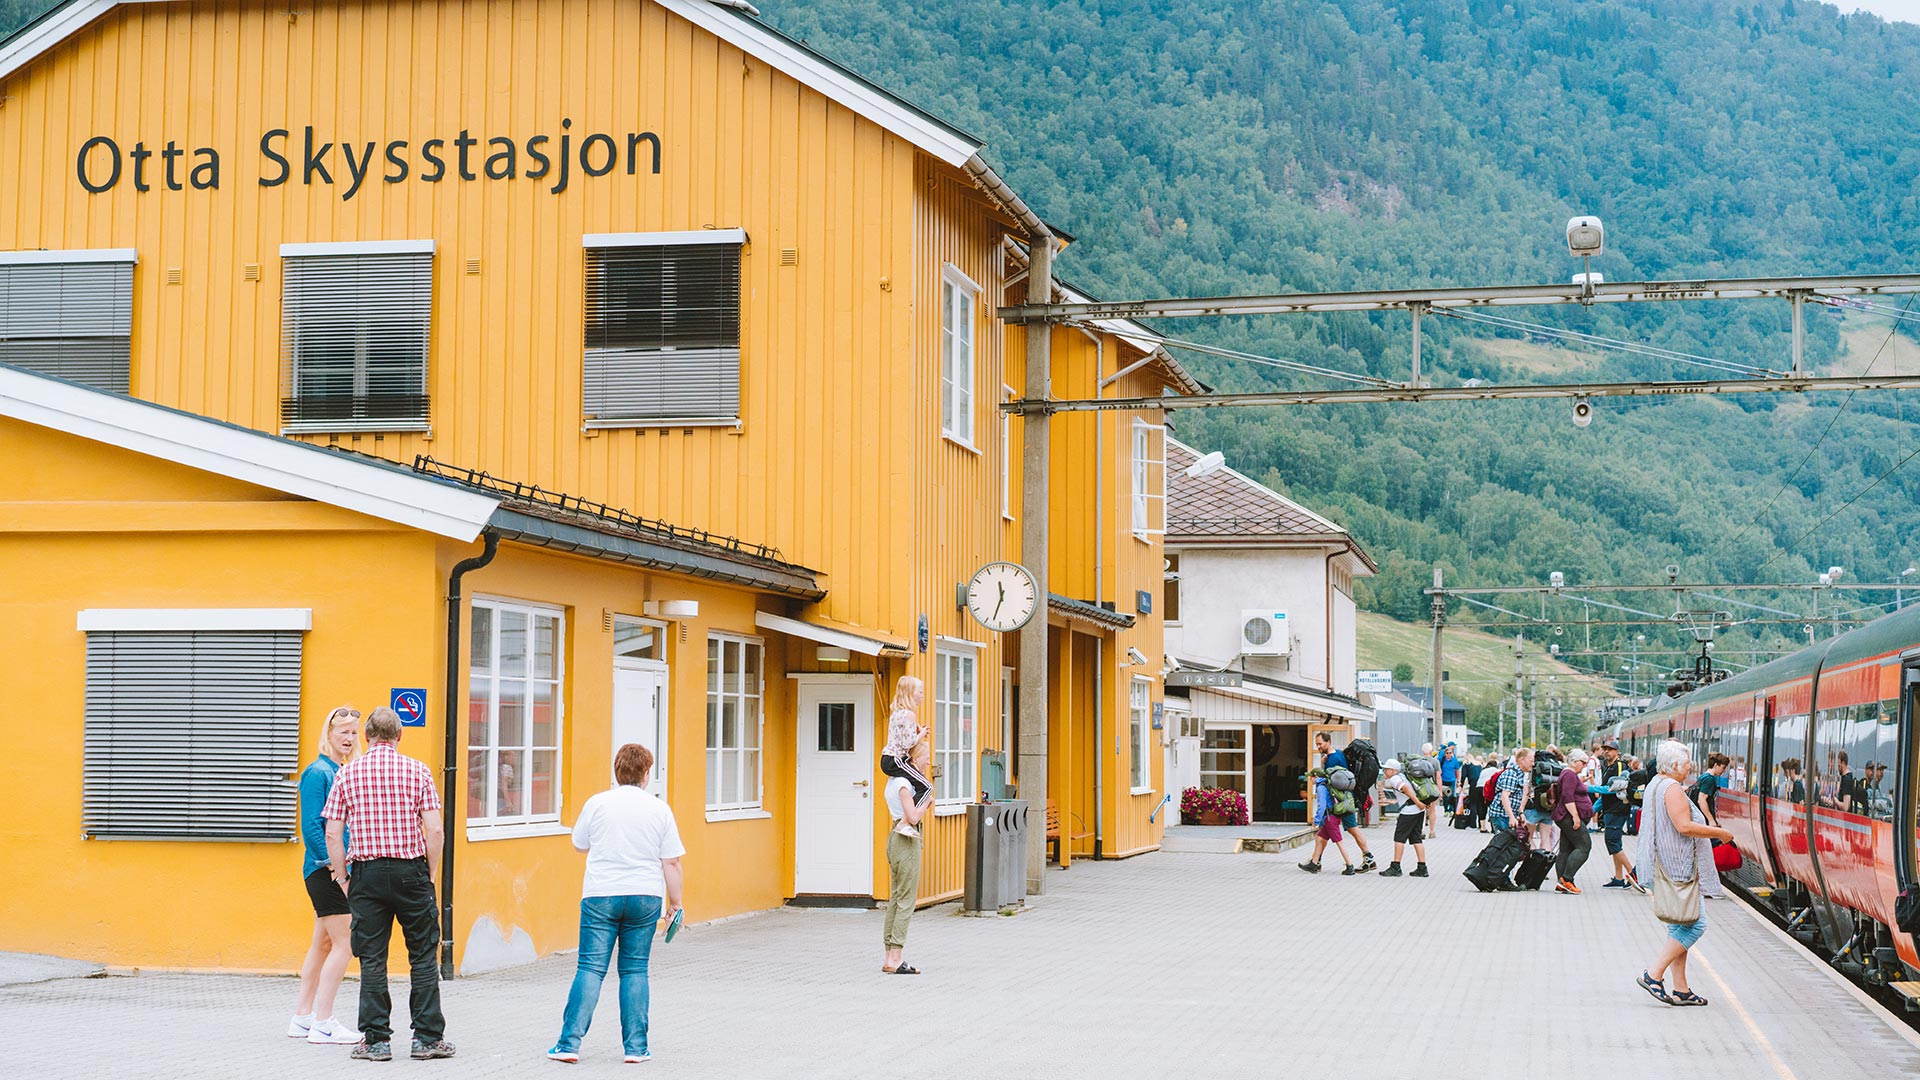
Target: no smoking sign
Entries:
(411, 704)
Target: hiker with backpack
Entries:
(1491, 869)
(1363, 763)
(1542, 799)
(1418, 796)
(1573, 811)
(1332, 790)
(1615, 813)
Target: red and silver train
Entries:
(1821, 791)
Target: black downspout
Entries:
(452, 698)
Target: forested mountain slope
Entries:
(1196, 146)
(1281, 145)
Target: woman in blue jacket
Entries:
(327, 957)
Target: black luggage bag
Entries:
(1490, 868)
(1534, 871)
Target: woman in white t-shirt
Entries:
(632, 883)
(903, 863)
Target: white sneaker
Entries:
(636, 1059)
(907, 830)
(331, 1032)
(298, 1027)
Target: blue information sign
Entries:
(411, 704)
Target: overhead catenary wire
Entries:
(1815, 527)
(1845, 404)
(1298, 366)
(1599, 341)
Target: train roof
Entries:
(1889, 634)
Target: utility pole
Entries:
(1533, 706)
(1500, 728)
(1519, 688)
(1036, 473)
(1433, 670)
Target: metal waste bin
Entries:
(996, 856)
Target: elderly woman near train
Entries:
(1675, 845)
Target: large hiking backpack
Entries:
(1546, 782)
(1340, 779)
(1422, 768)
(1365, 763)
(1424, 788)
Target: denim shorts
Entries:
(1688, 933)
(1538, 817)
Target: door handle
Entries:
(860, 783)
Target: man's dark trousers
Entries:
(383, 890)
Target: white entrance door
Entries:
(835, 787)
(640, 715)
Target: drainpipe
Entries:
(1329, 619)
(1100, 523)
(1036, 477)
(450, 773)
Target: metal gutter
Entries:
(761, 575)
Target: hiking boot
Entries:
(1349, 871)
(427, 1051)
(1419, 871)
(372, 1051)
(1391, 871)
(1567, 887)
(1367, 864)
(1310, 866)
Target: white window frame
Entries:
(956, 727)
(293, 376)
(119, 801)
(120, 320)
(1140, 723)
(1142, 462)
(594, 242)
(496, 826)
(959, 303)
(717, 808)
(1006, 457)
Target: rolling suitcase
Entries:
(1489, 869)
(1534, 870)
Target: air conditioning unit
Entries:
(1263, 632)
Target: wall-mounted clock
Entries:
(1002, 596)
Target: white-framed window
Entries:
(69, 314)
(355, 321)
(957, 305)
(1170, 592)
(514, 712)
(956, 737)
(662, 328)
(1006, 458)
(192, 723)
(1149, 479)
(735, 684)
(1140, 723)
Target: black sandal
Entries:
(903, 969)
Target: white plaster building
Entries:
(1259, 595)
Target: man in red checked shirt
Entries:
(388, 804)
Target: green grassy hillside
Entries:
(1480, 665)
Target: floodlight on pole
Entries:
(1586, 237)
(1211, 462)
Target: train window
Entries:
(1824, 770)
(1732, 742)
(1789, 748)
(1872, 743)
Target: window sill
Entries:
(357, 427)
(604, 425)
(950, 809)
(1143, 791)
(516, 831)
(963, 444)
(751, 813)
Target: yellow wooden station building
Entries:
(562, 373)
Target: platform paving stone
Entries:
(1168, 965)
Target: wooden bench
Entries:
(1053, 829)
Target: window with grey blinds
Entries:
(663, 334)
(192, 735)
(73, 320)
(354, 341)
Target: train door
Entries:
(1825, 735)
(1906, 819)
(1758, 781)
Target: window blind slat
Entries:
(662, 333)
(70, 320)
(354, 340)
(191, 734)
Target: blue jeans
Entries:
(604, 920)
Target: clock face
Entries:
(1002, 597)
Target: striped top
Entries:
(1680, 856)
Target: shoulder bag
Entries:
(1676, 902)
